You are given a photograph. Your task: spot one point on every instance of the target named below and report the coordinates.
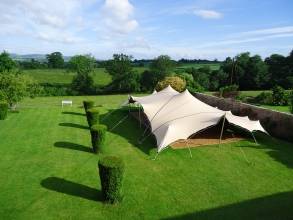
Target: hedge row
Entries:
(111, 169)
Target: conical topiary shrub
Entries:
(87, 104)
(92, 115)
(111, 170)
(3, 110)
(98, 136)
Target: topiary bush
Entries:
(88, 104)
(3, 110)
(111, 170)
(92, 115)
(176, 82)
(98, 136)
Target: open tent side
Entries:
(173, 116)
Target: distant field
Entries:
(196, 65)
(63, 77)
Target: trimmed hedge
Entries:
(88, 104)
(3, 110)
(98, 136)
(111, 170)
(92, 115)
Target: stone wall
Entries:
(278, 124)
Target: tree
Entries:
(14, 87)
(277, 69)
(119, 66)
(246, 71)
(83, 64)
(124, 78)
(162, 67)
(55, 60)
(6, 63)
(147, 80)
(83, 82)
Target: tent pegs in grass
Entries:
(156, 156)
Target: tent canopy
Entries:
(175, 116)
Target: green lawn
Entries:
(49, 172)
(278, 108)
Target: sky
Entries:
(192, 29)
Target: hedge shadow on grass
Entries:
(72, 125)
(71, 188)
(73, 113)
(276, 206)
(72, 146)
(128, 129)
(279, 150)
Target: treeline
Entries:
(246, 71)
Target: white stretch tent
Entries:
(175, 116)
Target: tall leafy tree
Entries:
(55, 60)
(6, 63)
(162, 67)
(119, 66)
(14, 87)
(125, 79)
(83, 65)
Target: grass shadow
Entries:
(128, 129)
(74, 125)
(276, 206)
(73, 113)
(279, 150)
(70, 188)
(72, 146)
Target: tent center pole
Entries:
(254, 137)
(139, 116)
(222, 129)
(186, 141)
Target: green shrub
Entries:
(3, 110)
(98, 136)
(111, 170)
(92, 115)
(279, 96)
(88, 104)
(264, 98)
(229, 91)
(176, 82)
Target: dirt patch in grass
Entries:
(208, 137)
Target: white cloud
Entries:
(50, 21)
(208, 14)
(267, 31)
(117, 15)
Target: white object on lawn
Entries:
(66, 102)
